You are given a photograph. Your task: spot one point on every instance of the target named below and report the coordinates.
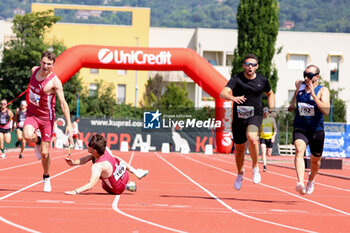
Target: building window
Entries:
(121, 92)
(229, 59)
(214, 57)
(334, 61)
(121, 72)
(93, 71)
(297, 61)
(92, 89)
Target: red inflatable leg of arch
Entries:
(136, 58)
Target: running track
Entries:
(182, 193)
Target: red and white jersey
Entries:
(5, 119)
(119, 178)
(40, 104)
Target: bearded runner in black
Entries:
(245, 90)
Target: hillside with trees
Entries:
(294, 15)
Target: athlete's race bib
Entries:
(245, 112)
(34, 98)
(20, 124)
(3, 120)
(119, 170)
(306, 109)
(266, 130)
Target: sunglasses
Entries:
(309, 75)
(252, 64)
(3, 103)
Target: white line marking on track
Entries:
(226, 205)
(22, 189)
(17, 225)
(131, 157)
(55, 201)
(115, 207)
(229, 162)
(31, 163)
(268, 186)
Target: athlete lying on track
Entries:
(112, 170)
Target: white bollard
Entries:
(124, 146)
(208, 149)
(59, 144)
(80, 144)
(165, 147)
(144, 147)
(184, 149)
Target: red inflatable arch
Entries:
(165, 59)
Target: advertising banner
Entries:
(337, 140)
(134, 133)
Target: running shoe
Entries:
(256, 175)
(3, 155)
(20, 156)
(47, 185)
(131, 186)
(238, 181)
(139, 173)
(300, 188)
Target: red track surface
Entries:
(182, 193)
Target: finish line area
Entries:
(182, 193)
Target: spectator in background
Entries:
(268, 131)
(20, 117)
(75, 136)
(6, 117)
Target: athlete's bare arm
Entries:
(80, 161)
(226, 94)
(96, 170)
(57, 85)
(292, 103)
(322, 100)
(271, 99)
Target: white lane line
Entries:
(226, 205)
(268, 186)
(22, 189)
(17, 225)
(115, 208)
(31, 163)
(325, 185)
(38, 182)
(131, 157)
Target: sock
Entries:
(39, 141)
(132, 170)
(46, 176)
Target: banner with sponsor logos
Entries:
(337, 140)
(134, 133)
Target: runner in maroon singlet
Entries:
(43, 87)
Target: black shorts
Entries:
(19, 128)
(239, 127)
(5, 130)
(315, 139)
(267, 142)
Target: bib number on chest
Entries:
(119, 170)
(3, 120)
(245, 112)
(306, 109)
(34, 98)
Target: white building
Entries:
(329, 51)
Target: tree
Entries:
(153, 92)
(24, 51)
(257, 33)
(176, 97)
(338, 107)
